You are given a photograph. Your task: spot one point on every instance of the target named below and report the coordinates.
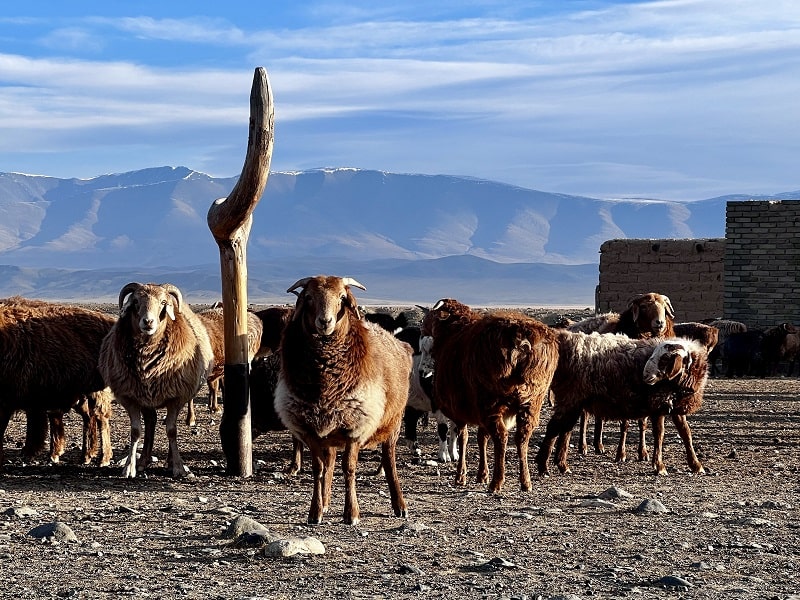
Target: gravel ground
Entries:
(731, 533)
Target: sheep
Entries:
(780, 343)
(492, 370)
(742, 351)
(725, 327)
(95, 411)
(646, 315)
(212, 318)
(157, 354)
(387, 321)
(49, 363)
(615, 377)
(343, 385)
(419, 403)
(264, 372)
(273, 322)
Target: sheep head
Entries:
(444, 313)
(681, 361)
(149, 305)
(323, 301)
(651, 312)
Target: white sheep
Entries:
(158, 354)
(343, 385)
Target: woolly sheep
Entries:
(492, 370)
(213, 319)
(612, 376)
(158, 354)
(343, 385)
(48, 362)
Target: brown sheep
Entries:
(49, 363)
(212, 318)
(492, 370)
(343, 385)
(780, 343)
(616, 377)
(158, 354)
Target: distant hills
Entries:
(408, 238)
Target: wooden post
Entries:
(229, 220)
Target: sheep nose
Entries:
(324, 324)
(147, 323)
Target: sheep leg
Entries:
(129, 470)
(411, 417)
(599, 448)
(483, 460)
(57, 435)
(5, 417)
(178, 468)
(149, 416)
(447, 438)
(191, 417)
(213, 396)
(389, 462)
(522, 437)
(643, 456)
(558, 433)
(658, 443)
(461, 468)
(583, 447)
(297, 457)
(330, 465)
(100, 404)
(349, 464)
(36, 433)
(320, 458)
(682, 425)
(622, 452)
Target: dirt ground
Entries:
(731, 533)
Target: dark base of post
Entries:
(234, 429)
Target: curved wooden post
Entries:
(229, 220)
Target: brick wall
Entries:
(689, 271)
(762, 262)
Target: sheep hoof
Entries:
(401, 512)
(315, 520)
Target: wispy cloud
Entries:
(643, 98)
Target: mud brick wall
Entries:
(689, 271)
(762, 262)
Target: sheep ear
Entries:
(635, 312)
(171, 311)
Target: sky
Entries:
(669, 99)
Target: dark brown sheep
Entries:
(781, 343)
(48, 362)
(157, 355)
(213, 319)
(492, 370)
(264, 373)
(616, 377)
(343, 385)
(647, 315)
(273, 319)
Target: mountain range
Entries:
(408, 238)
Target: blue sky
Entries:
(674, 99)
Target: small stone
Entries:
(614, 493)
(54, 532)
(672, 581)
(650, 506)
(406, 569)
(293, 546)
(243, 524)
(21, 512)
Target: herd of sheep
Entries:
(339, 380)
